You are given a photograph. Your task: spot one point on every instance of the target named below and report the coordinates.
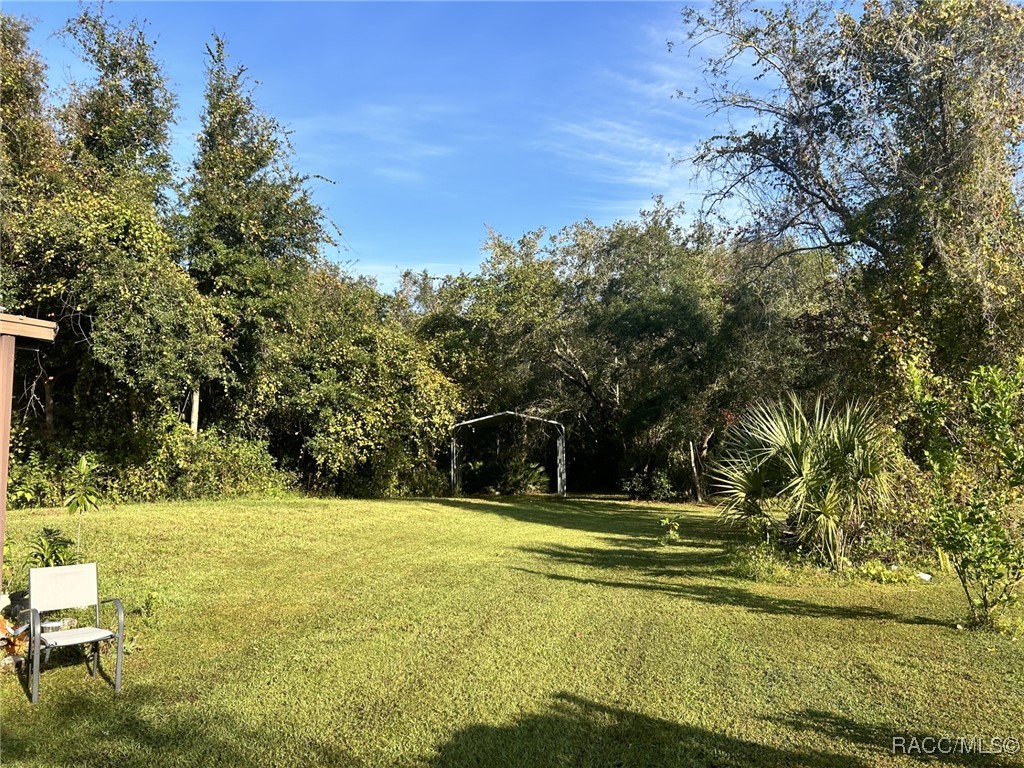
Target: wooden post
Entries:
(6, 404)
(12, 326)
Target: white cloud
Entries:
(399, 174)
(389, 139)
(625, 162)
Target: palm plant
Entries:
(812, 477)
(85, 496)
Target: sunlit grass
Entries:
(493, 633)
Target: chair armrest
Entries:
(120, 612)
(33, 626)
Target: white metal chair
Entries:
(62, 588)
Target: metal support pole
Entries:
(455, 466)
(194, 422)
(561, 462)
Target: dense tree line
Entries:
(880, 256)
(205, 286)
(644, 337)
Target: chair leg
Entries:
(35, 673)
(117, 668)
(95, 659)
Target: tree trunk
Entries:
(195, 411)
(696, 474)
(50, 429)
(134, 407)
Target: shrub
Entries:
(211, 464)
(504, 461)
(899, 532)
(29, 483)
(876, 570)
(391, 473)
(975, 445)
(649, 486)
(813, 479)
(165, 462)
(986, 555)
(521, 476)
(184, 466)
(670, 529)
(759, 562)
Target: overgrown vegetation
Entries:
(892, 138)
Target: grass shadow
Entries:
(577, 733)
(616, 518)
(644, 557)
(748, 600)
(142, 729)
(58, 658)
(632, 551)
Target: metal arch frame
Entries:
(456, 470)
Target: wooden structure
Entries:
(12, 327)
(456, 469)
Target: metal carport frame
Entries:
(456, 470)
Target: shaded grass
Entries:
(531, 632)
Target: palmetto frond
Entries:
(817, 472)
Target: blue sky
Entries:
(437, 120)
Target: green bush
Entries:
(208, 465)
(758, 562)
(975, 446)
(520, 476)
(649, 486)
(30, 484)
(165, 463)
(392, 472)
(876, 570)
(899, 532)
(987, 553)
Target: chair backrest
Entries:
(63, 586)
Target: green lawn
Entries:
(496, 633)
